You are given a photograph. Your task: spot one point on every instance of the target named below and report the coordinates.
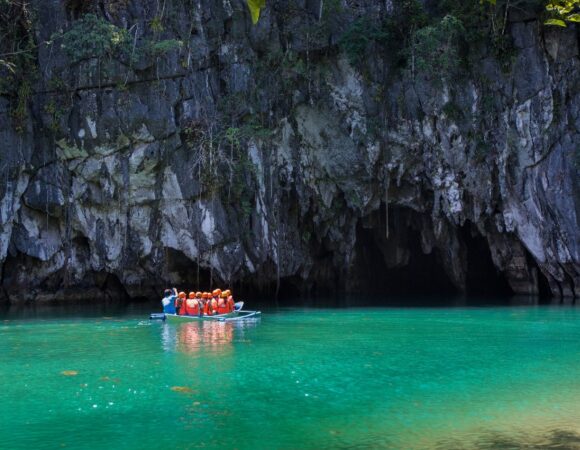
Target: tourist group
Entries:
(198, 303)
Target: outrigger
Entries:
(237, 314)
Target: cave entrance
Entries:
(180, 271)
(395, 270)
(287, 292)
(544, 291)
(483, 279)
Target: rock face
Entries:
(264, 158)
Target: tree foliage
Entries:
(562, 11)
(360, 34)
(16, 37)
(435, 48)
(94, 37)
(17, 57)
(559, 12)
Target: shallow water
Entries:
(298, 378)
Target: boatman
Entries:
(168, 301)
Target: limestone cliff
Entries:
(266, 157)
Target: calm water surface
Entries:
(298, 378)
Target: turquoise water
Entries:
(298, 378)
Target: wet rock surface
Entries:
(222, 162)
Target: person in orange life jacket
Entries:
(211, 310)
(192, 305)
(214, 301)
(183, 304)
(198, 297)
(183, 310)
(205, 297)
(208, 305)
(179, 303)
(230, 301)
(222, 304)
(168, 301)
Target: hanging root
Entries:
(387, 208)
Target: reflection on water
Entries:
(191, 337)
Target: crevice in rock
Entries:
(544, 291)
(570, 287)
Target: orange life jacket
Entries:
(191, 307)
(212, 306)
(222, 306)
(231, 304)
(179, 306)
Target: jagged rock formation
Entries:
(226, 159)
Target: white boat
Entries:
(237, 314)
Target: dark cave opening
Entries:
(484, 280)
(388, 271)
(396, 270)
(545, 293)
(180, 272)
(286, 292)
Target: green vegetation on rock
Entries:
(435, 48)
(17, 57)
(563, 11)
(356, 39)
(94, 37)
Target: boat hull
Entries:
(176, 318)
(234, 316)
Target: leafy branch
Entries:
(562, 11)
